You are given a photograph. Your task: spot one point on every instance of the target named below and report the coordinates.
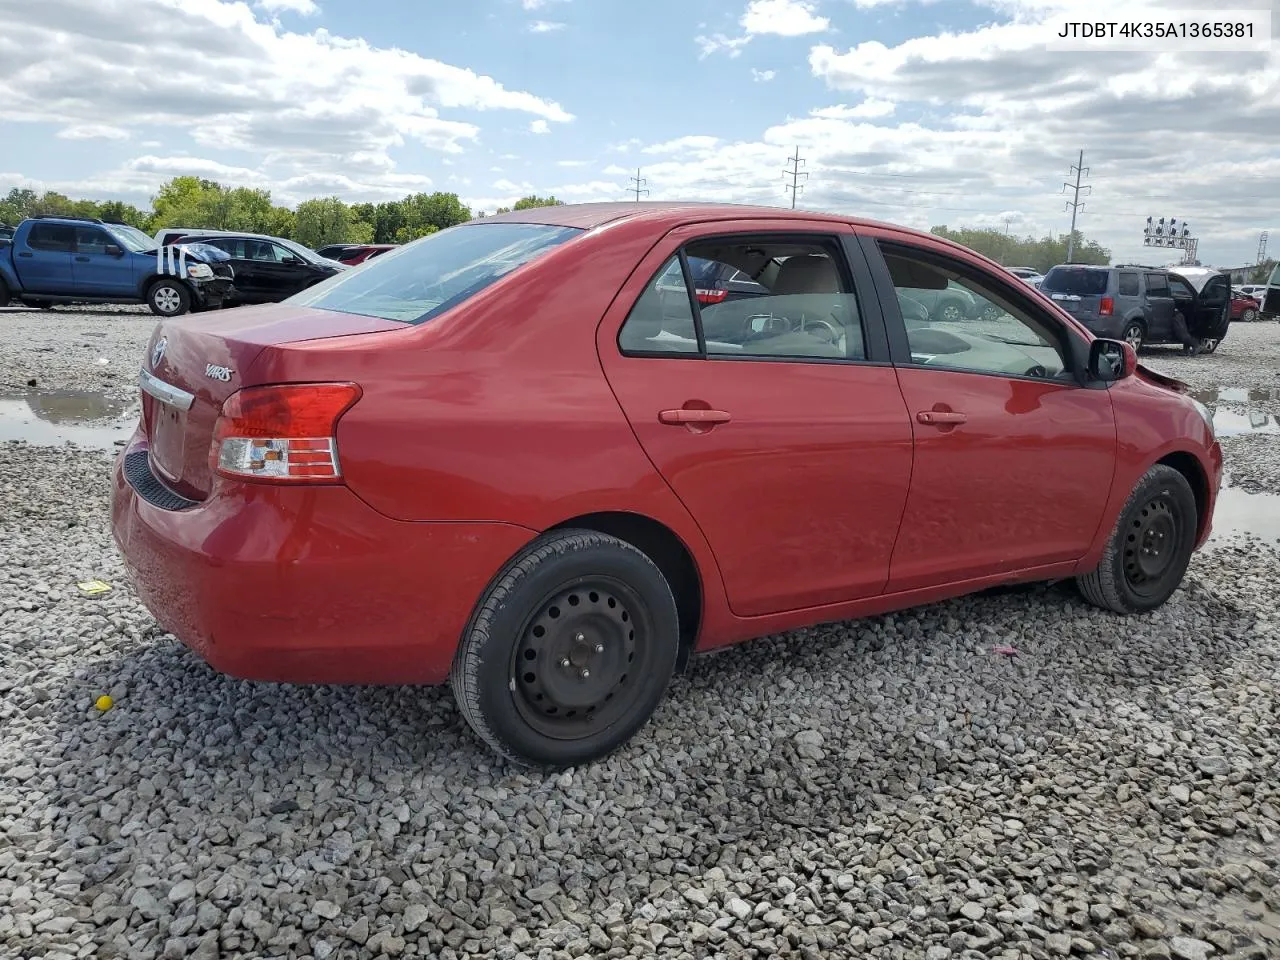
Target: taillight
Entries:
(282, 434)
(711, 296)
(1106, 306)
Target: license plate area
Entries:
(168, 441)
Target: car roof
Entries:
(669, 214)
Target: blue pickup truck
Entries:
(52, 260)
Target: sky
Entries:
(917, 112)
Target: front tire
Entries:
(1150, 547)
(569, 651)
(168, 298)
(1249, 315)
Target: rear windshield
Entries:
(1079, 281)
(429, 276)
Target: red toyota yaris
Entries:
(527, 455)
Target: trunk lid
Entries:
(193, 363)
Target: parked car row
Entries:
(48, 260)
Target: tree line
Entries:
(198, 203)
(1039, 254)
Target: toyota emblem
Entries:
(157, 352)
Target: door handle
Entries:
(695, 417)
(82, 259)
(25, 253)
(938, 418)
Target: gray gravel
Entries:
(889, 788)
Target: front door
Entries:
(1013, 457)
(776, 419)
(98, 273)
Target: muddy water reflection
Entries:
(54, 417)
(1239, 511)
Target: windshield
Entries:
(1275, 277)
(425, 278)
(131, 238)
(1080, 281)
(305, 253)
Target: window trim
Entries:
(838, 246)
(1073, 347)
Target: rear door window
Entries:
(1129, 285)
(1157, 285)
(52, 236)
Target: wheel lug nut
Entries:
(585, 673)
(564, 662)
(580, 637)
(599, 648)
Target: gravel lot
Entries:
(889, 788)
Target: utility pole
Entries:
(1262, 246)
(795, 173)
(1075, 203)
(1007, 221)
(638, 187)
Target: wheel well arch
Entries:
(1190, 467)
(660, 544)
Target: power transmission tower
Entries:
(638, 185)
(795, 173)
(1262, 246)
(1075, 203)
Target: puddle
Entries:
(1237, 395)
(1239, 511)
(53, 417)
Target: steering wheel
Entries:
(833, 334)
(1037, 371)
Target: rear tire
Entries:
(569, 651)
(168, 297)
(1135, 333)
(4, 294)
(1150, 547)
(1249, 315)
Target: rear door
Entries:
(1013, 458)
(1160, 306)
(96, 272)
(248, 280)
(44, 265)
(777, 419)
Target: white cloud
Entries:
(92, 131)
(296, 101)
(573, 163)
(545, 26)
(539, 4)
(302, 7)
(718, 41)
(868, 109)
(539, 126)
(785, 18)
(763, 76)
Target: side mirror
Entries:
(1111, 360)
(114, 250)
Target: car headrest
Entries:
(807, 273)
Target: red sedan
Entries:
(522, 456)
(1244, 308)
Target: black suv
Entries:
(1140, 303)
(267, 269)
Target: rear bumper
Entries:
(306, 585)
(1111, 328)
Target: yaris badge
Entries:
(157, 352)
(215, 372)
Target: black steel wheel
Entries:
(1150, 546)
(569, 652)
